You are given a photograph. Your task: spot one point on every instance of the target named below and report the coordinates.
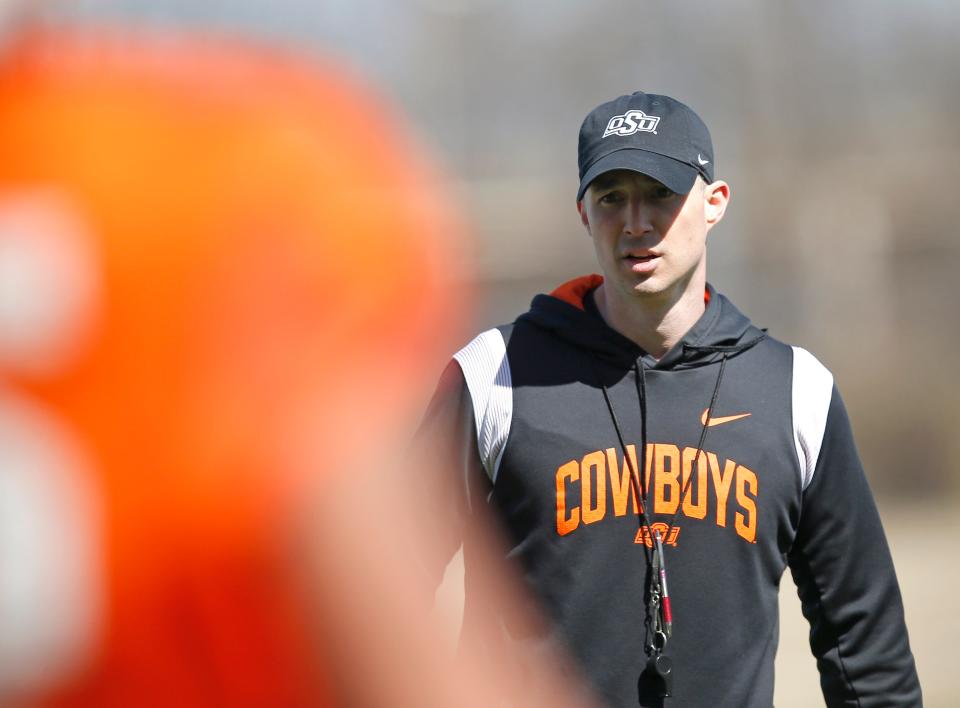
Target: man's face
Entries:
(650, 240)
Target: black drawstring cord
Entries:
(636, 479)
(640, 381)
(650, 613)
(703, 437)
(641, 493)
(637, 485)
(659, 664)
(726, 351)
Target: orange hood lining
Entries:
(573, 291)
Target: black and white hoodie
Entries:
(547, 418)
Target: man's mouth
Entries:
(642, 262)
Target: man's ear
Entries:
(583, 217)
(716, 196)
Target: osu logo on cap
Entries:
(635, 121)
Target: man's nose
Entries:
(639, 218)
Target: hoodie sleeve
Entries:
(846, 581)
(446, 469)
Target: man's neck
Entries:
(656, 323)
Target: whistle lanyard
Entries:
(659, 613)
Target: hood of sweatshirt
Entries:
(721, 331)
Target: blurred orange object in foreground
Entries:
(219, 266)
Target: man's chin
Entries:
(648, 287)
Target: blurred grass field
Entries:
(923, 541)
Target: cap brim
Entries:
(676, 175)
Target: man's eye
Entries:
(610, 198)
(663, 193)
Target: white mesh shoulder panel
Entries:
(487, 373)
(812, 391)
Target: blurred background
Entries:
(836, 126)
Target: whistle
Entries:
(660, 668)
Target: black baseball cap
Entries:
(655, 135)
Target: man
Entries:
(657, 461)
